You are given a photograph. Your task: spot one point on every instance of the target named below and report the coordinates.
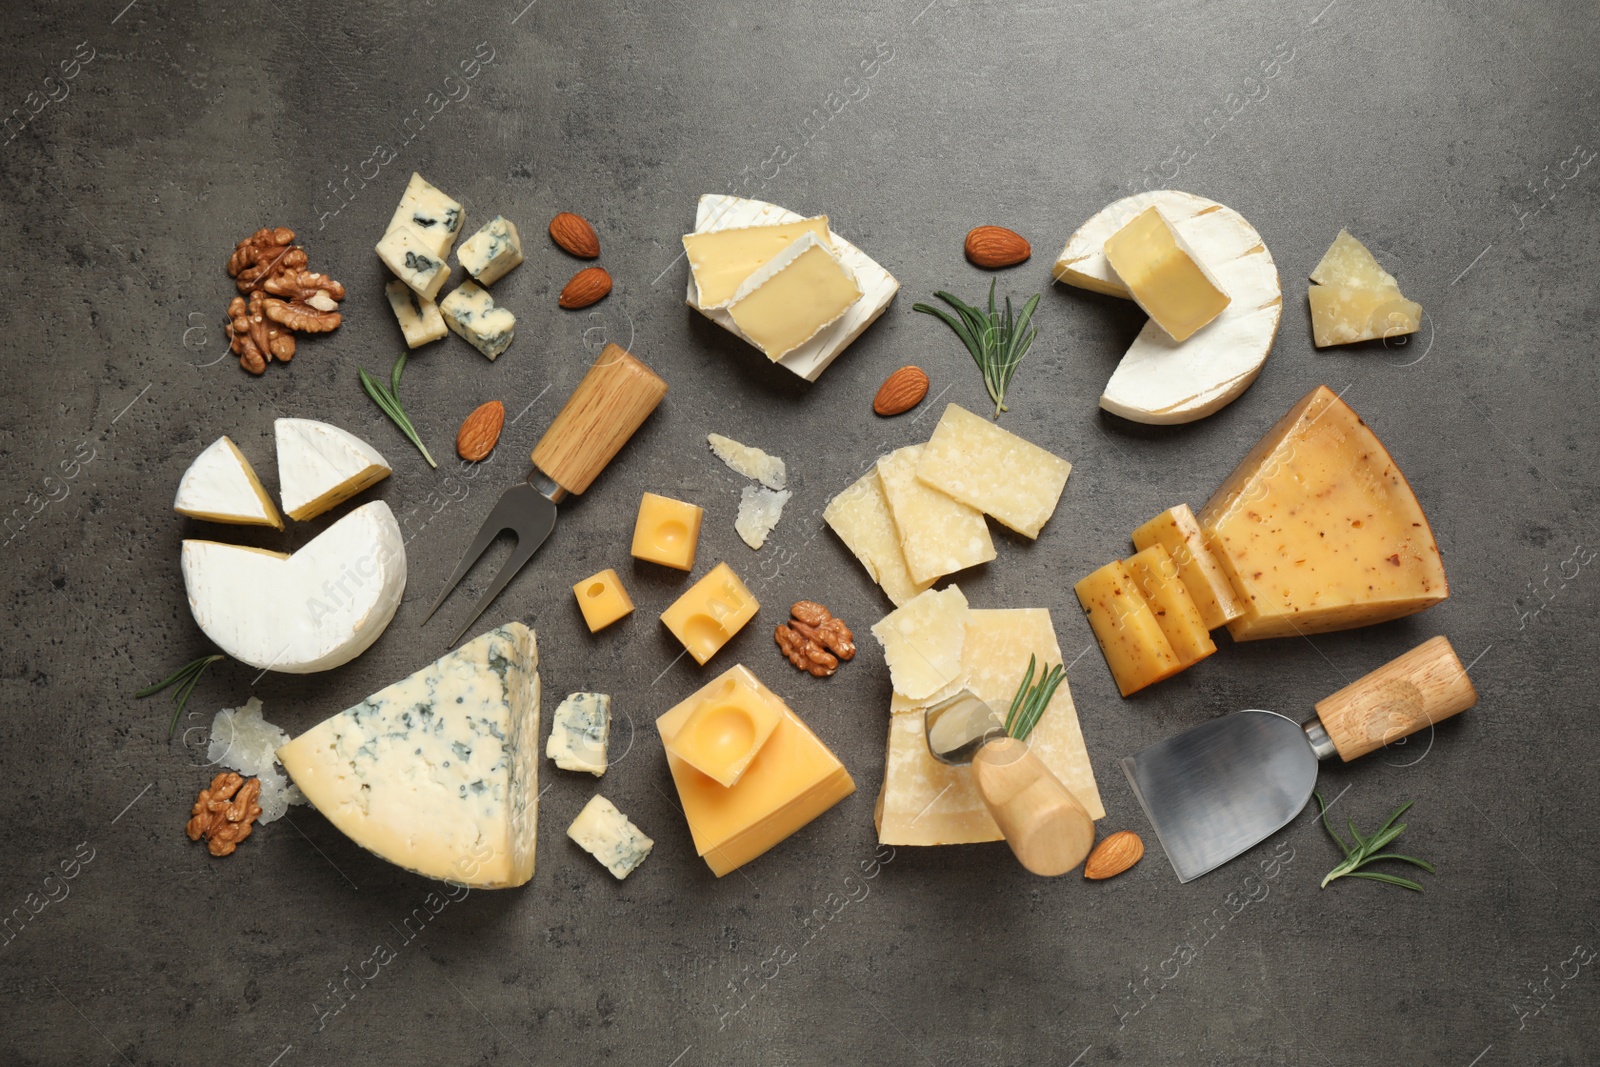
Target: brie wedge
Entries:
(321, 466)
(221, 486)
(1161, 380)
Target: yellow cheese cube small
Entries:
(1162, 275)
(710, 612)
(1178, 531)
(726, 729)
(1136, 650)
(602, 599)
(667, 531)
(1159, 583)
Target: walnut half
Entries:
(813, 640)
(225, 812)
(281, 296)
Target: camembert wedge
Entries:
(321, 466)
(221, 486)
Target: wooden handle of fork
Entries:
(609, 404)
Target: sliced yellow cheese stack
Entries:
(719, 260)
(1156, 576)
(801, 291)
(1354, 299)
(1178, 531)
(1130, 638)
(1163, 276)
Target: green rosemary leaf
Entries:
(1368, 850)
(1424, 864)
(1391, 879)
(1031, 700)
(997, 342)
(389, 401)
(394, 378)
(1021, 694)
(1344, 848)
(185, 678)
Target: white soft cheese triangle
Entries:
(221, 486)
(312, 611)
(321, 466)
(439, 772)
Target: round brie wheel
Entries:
(1160, 380)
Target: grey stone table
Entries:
(144, 138)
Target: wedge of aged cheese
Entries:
(749, 461)
(922, 642)
(1130, 638)
(797, 294)
(1318, 529)
(1354, 299)
(1177, 530)
(860, 516)
(720, 260)
(1161, 380)
(1164, 276)
(439, 772)
(606, 834)
(938, 534)
(321, 466)
(221, 486)
(1156, 578)
(925, 802)
(975, 462)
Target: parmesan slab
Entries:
(975, 462)
(922, 642)
(860, 516)
(938, 534)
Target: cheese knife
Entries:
(1221, 788)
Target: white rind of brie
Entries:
(221, 486)
(1160, 380)
(321, 466)
(717, 211)
(312, 611)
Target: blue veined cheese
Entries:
(579, 732)
(438, 773)
(433, 216)
(489, 254)
(607, 835)
(419, 318)
(413, 261)
(471, 312)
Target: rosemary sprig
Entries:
(389, 400)
(1031, 699)
(997, 342)
(1369, 850)
(184, 678)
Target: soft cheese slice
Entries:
(1354, 299)
(860, 516)
(1161, 380)
(438, 773)
(433, 216)
(221, 486)
(1318, 529)
(938, 534)
(1164, 276)
(720, 260)
(974, 461)
(922, 642)
(797, 294)
(579, 732)
(312, 611)
(321, 466)
(925, 802)
(749, 461)
(717, 212)
(419, 318)
(606, 834)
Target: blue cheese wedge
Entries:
(439, 772)
(579, 733)
(607, 835)
(489, 254)
(413, 261)
(419, 318)
(471, 312)
(430, 214)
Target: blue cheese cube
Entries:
(470, 312)
(420, 320)
(579, 733)
(413, 261)
(434, 217)
(489, 254)
(607, 835)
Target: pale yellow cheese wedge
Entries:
(1354, 299)
(975, 462)
(720, 260)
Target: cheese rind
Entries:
(1135, 648)
(1354, 299)
(860, 516)
(803, 290)
(419, 318)
(320, 466)
(1163, 275)
(710, 612)
(1156, 578)
(922, 642)
(938, 534)
(221, 486)
(470, 311)
(720, 260)
(492, 252)
(602, 599)
(413, 261)
(607, 835)
(1177, 530)
(434, 217)
(975, 462)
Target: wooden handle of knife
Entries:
(1046, 827)
(613, 399)
(1422, 687)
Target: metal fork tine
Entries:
(526, 547)
(509, 513)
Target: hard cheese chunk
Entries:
(321, 466)
(1354, 299)
(431, 215)
(788, 301)
(726, 728)
(492, 252)
(1164, 276)
(1318, 529)
(973, 461)
(667, 531)
(860, 516)
(606, 834)
(938, 534)
(1178, 531)
(579, 732)
(792, 780)
(710, 612)
(602, 599)
(1156, 577)
(760, 509)
(438, 773)
(925, 802)
(922, 642)
(471, 312)
(1135, 648)
(414, 261)
(220, 485)
(751, 462)
(719, 261)
(419, 318)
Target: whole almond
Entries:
(586, 286)
(993, 247)
(901, 391)
(480, 432)
(575, 236)
(1114, 855)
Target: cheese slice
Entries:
(973, 461)
(922, 642)
(1156, 578)
(720, 260)
(797, 294)
(1354, 299)
(221, 486)
(1178, 531)
(1164, 276)
(438, 773)
(1318, 529)
(1131, 640)
(321, 466)
(860, 516)
(925, 802)
(938, 534)
(1161, 380)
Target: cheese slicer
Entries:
(614, 398)
(1049, 832)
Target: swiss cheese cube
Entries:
(667, 531)
(938, 534)
(722, 734)
(602, 599)
(1178, 531)
(973, 461)
(860, 516)
(1130, 638)
(710, 612)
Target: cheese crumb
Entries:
(243, 741)
(759, 510)
(750, 462)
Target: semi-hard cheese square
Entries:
(938, 534)
(602, 599)
(1319, 530)
(419, 317)
(492, 252)
(433, 216)
(1135, 648)
(925, 802)
(720, 260)
(1156, 578)
(606, 834)
(579, 733)
(471, 312)
(1164, 277)
(710, 612)
(789, 300)
(922, 642)
(972, 460)
(792, 780)
(667, 531)
(726, 729)
(1354, 299)
(860, 516)
(413, 261)
(1178, 531)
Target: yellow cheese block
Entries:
(1163, 276)
(1135, 648)
(1354, 299)
(1318, 529)
(720, 261)
(938, 534)
(602, 599)
(1178, 531)
(710, 612)
(1156, 577)
(972, 460)
(792, 779)
(785, 303)
(925, 802)
(726, 729)
(667, 531)
(860, 516)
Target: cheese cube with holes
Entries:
(602, 599)
(492, 252)
(938, 534)
(434, 217)
(579, 733)
(419, 318)
(710, 612)
(975, 462)
(606, 834)
(1178, 531)
(667, 531)
(1155, 576)
(471, 312)
(721, 737)
(1135, 648)
(413, 261)
(860, 516)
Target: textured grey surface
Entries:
(1444, 135)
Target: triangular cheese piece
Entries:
(1318, 530)
(221, 486)
(1355, 299)
(321, 466)
(438, 773)
(719, 260)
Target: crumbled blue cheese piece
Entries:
(420, 320)
(489, 254)
(579, 733)
(607, 835)
(434, 217)
(470, 311)
(413, 261)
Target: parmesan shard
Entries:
(975, 462)
(1354, 299)
(749, 461)
(860, 516)
(938, 534)
(759, 511)
(922, 642)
